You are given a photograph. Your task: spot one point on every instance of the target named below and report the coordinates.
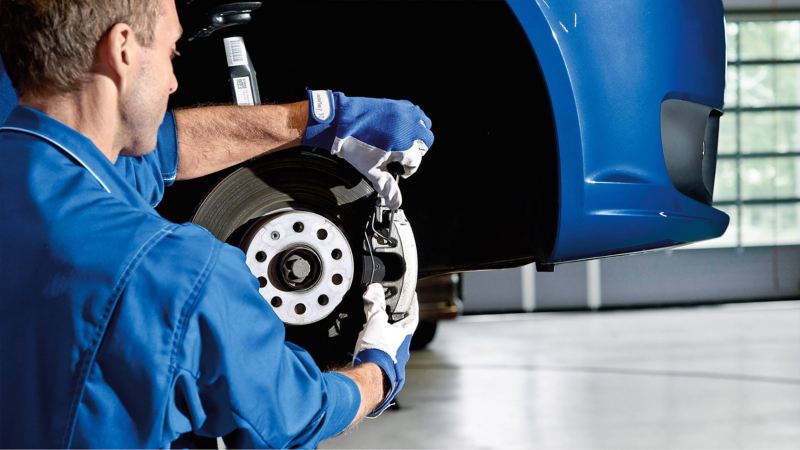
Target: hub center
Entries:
(296, 269)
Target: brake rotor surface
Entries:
(287, 181)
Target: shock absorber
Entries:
(241, 73)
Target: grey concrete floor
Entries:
(703, 377)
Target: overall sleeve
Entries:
(237, 377)
(151, 173)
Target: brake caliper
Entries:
(391, 259)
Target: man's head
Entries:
(56, 48)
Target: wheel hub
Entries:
(299, 268)
(304, 264)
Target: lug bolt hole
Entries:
(298, 227)
(300, 309)
(323, 300)
(262, 282)
(261, 256)
(322, 234)
(336, 254)
(276, 302)
(337, 279)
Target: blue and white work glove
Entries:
(370, 134)
(385, 344)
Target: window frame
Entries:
(737, 203)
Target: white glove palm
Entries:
(385, 344)
(373, 162)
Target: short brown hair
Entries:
(48, 46)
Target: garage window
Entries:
(758, 172)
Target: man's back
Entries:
(77, 253)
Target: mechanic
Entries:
(119, 328)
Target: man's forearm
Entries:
(213, 138)
(369, 378)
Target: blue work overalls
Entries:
(119, 328)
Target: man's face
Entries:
(144, 104)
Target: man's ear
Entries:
(118, 53)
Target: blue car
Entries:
(565, 130)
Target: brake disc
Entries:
(314, 238)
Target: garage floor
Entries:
(705, 377)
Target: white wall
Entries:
(678, 277)
(732, 5)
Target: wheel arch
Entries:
(489, 74)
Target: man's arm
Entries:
(241, 379)
(213, 138)
(369, 378)
(369, 133)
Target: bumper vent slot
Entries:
(689, 138)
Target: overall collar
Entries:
(72, 143)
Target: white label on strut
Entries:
(235, 51)
(244, 94)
